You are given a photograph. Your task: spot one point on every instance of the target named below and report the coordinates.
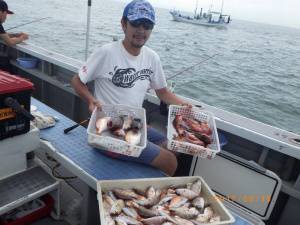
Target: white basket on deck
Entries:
(212, 200)
(106, 141)
(192, 149)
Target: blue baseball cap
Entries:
(139, 9)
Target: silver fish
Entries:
(189, 194)
(196, 222)
(185, 213)
(150, 201)
(107, 207)
(198, 202)
(208, 211)
(119, 132)
(127, 220)
(165, 199)
(127, 121)
(159, 209)
(109, 220)
(131, 212)
(157, 220)
(150, 193)
(182, 221)
(196, 187)
(125, 194)
(201, 218)
(177, 201)
(131, 204)
(111, 195)
(168, 217)
(140, 191)
(101, 124)
(117, 207)
(171, 191)
(215, 218)
(147, 212)
(136, 123)
(176, 186)
(187, 205)
(108, 200)
(189, 185)
(133, 137)
(119, 222)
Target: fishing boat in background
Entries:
(209, 18)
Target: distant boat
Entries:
(209, 18)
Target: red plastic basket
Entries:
(36, 215)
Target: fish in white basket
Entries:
(127, 121)
(159, 206)
(133, 137)
(102, 124)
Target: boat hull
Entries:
(202, 22)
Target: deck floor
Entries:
(50, 221)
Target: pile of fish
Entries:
(192, 130)
(125, 127)
(176, 205)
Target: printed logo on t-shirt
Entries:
(84, 70)
(126, 78)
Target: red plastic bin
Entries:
(14, 122)
(36, 215)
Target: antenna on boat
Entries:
(87, 36)
(222, 7)
(195, 14)
(23, 24)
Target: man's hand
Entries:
(23, 36)
(94, 104)
(188, 105)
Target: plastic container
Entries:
(14, 122)
(28, 63)
(192, 149)
(35, 215)
(108, 142)
(206, 192)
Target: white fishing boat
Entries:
(256, 173)
(209, 18)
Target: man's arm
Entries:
(82, 90)
(12, 35)
(11, 41)
(169, 98)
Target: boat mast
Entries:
(195, 14)
(87, 35)
(222, 7)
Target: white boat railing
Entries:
(271, 137)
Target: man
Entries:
(9, 39)
(123, 71)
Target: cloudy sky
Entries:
(279, 12)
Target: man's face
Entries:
(137, 32)
(3, 15)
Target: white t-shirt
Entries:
(121, 78)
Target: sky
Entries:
(277, 12)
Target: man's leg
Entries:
(155, 153)
(165, 161)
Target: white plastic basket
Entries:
(205, 152)
(164, 182)
(108, 142)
